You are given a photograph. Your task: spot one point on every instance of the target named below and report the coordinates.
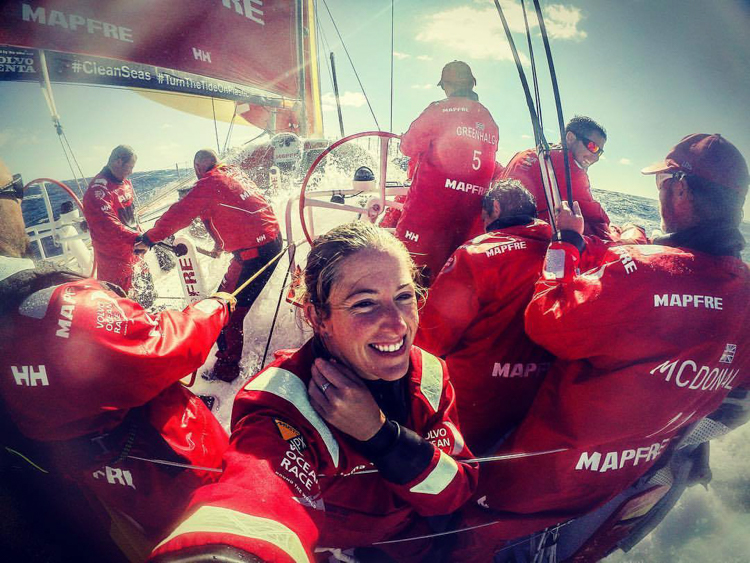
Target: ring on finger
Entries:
(325, 386)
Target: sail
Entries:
(257, 53)
(249, 42)
(304, 118)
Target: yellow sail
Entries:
(210, 108)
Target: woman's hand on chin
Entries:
(343, 400)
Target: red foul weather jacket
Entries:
(474, 319)
(524, 166)
(293, 483)
(108, 206)
(454, 142)
(648, 342)
(235, 213)
(83, 361)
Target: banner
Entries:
(248, 42)
(23, 64)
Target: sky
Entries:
(650, 72)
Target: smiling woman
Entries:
(349, 441)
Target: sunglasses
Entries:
(662, 177)
(13, 188)
(590, 145)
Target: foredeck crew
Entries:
(240, 221)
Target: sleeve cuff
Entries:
(400, 454)
(571, 237)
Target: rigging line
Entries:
(70, 165)
(537, 99)
(558, 103)
(264, 132)
(73, 156)
(278, 305)
(231, 126)
(503, 457)
(352, 63)
(320, 35)
(175, 464)
(541, 142)
(26, 459)
(392, 26)
(468, 528)
(216, 127)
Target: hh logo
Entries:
(412, 236)
(115, 476)
(728, 354)
(30, 376)
(479, 126)
(261, 238)
(201, 55)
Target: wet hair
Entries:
(513, 197)
(330, 250)
(121, 152)
(582, 126)
(714, 203)
(206, 157)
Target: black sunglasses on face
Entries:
(14, 187)
(590, 145)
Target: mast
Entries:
(300, 5)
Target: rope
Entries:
(267, 265)
(26, 459)
(216, 127)
(256, 137)
(542, 144)
(229, 131)
(175, 464)
(278, 306)
(341, 39)
(392, 26)
(70, 165)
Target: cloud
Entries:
(477, 33)
(347, 99)
(526, 136)
(166, 126)
(17, 137)
(562, 22)
(400, 56)
(422, 86)
(625, 161)
(424, 58)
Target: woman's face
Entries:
(373, 315)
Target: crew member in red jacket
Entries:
(108, 206)
(348, 441)
(495, 368)
(92, 379)
(452, 145)
(240, 221)
(585, 139)
(649, 341)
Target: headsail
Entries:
(247, 51)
